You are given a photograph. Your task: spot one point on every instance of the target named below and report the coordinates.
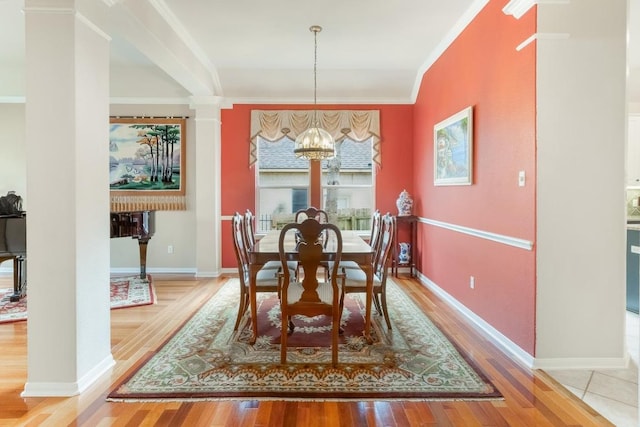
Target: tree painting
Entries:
(147, 155)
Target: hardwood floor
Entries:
(532, 398)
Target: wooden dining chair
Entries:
(311, 212)
(355, 280)
(322, 217)
(267, 279)
(250, 240)
(374, 241)
(306, 295)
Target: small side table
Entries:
(412, 222)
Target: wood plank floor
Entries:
(532, 398)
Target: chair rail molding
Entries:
(517, 8)
(500, 238)
(542, 36)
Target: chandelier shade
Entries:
(315, 143)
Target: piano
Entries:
(137, 225)
(13, 246)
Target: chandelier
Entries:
(315, 143)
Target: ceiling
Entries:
(369, 51)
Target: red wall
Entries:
(483, 69)
(238, 179)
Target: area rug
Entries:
(125, 292)
(206, 360)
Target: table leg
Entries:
(142, 244)
(253, 273)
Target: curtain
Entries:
(272, 125)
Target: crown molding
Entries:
(449, 38)
(517, 8)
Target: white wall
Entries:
(176, 228)
(13, 160)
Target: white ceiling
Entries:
(370, 51)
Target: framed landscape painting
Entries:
(453, 149)
(147, 156)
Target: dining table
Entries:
(354, 248)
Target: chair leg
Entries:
(384, 308)
(335, 327)
(376, 302)
(341, 305)
(283, 339)
(241, 310)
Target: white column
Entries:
(580, 244)
(207, 182)
(67, 122)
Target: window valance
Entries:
(358, 126)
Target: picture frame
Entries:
(453, 149)
(147, 156)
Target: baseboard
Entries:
(582, 363)
(516, 352)
(134, 270)
(508, 346)
(46, 389)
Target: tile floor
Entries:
(613, 393)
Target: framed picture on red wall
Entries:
(453, 149)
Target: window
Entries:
(283, 184)
(348, 185)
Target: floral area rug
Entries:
(125, 292)
(206, 360)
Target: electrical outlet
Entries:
(472, 282)
(170, 249)
(521, 179)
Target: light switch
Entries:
(521, 179)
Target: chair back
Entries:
(385, 245)
(374, 240)
(310, 254)
(311, 212)
(238, 232)
(249, 229)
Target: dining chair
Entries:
(322, 217)
(305, 295)
(312, 212)
(355, 280)
(250, 240)
(373, 242)
(267, 279)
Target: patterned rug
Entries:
(206, 360)
(125, 292)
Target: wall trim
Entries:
(487, 235)
(542, 36)
(49, 389)
(517, 353)
(462, 23)
(517, 8)
(163, 270)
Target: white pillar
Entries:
(67, 123)
(581, 122)
(207, 182)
